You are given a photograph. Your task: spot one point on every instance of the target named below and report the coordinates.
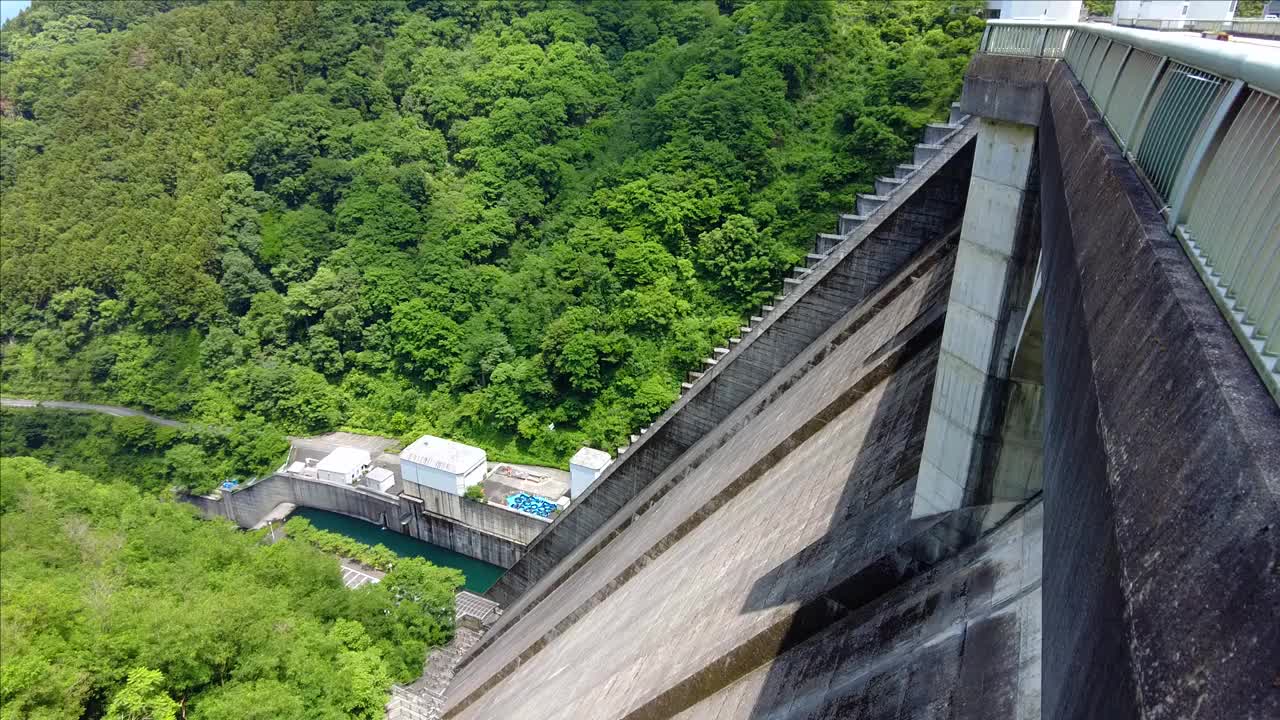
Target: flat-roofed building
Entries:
(585, 466)
(441, 464)
(343, 465)
(380, 479)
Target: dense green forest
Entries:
(134, 450)
(121, 605)
(516, 224)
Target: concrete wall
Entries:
(927, 207)
(417, 477)
(1161, 469)
(485, 532)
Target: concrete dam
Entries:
(1008, 446)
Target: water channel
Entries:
(480, 575)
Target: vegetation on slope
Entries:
(119, 604)
(152, 457)
(515, 224)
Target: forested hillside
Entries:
(120, 605)
(515, 223)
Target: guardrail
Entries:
(1253, 27)
(1200, 120)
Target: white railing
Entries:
(1200, 121)
(1253, 27)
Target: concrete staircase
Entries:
(936, 136)
(424, 699)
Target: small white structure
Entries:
(344, 465)
(1064, 10)
(441, 464)
(584, 468)
(1175, 10)
(380, 479)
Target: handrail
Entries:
(1257, 65)
(1259, 27)
(1200, 121)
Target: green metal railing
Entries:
(1200, 121)
(1253, 27)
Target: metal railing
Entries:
(1253, 27)
(1200, 121)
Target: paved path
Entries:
(354, 576)
(116, 410)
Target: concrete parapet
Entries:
(1001, 87)
(1162, 469)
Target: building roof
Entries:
(591, 458)
(447, 455)
(379, 474)
(344, 460)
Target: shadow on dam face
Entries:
(858, 647)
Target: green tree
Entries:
(740, 257)
(485, 217)
(142, 698)
(427, 341)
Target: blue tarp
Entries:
(531, 504)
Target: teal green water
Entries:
(480, 575)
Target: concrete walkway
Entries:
(116, 410)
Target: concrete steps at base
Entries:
(848, 222)
(925, 152)
(812, 259)
(957, 116)
(905, 170)
(868, 204)
(826, 242)
(886, 185)
(937, 133)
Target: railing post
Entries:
(986, 31)
(1198, 154)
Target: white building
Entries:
(344, 465)
(584, 468)
(1064, 10)
(442, 464)
(1175, 9)
(380, 479)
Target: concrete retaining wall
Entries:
(492, 534)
